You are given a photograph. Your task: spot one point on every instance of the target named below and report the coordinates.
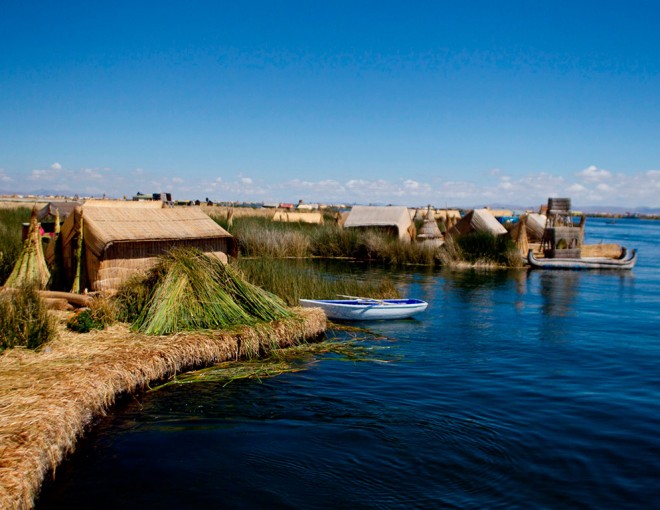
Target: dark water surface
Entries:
(514, 389)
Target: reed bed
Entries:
(480, 249)
(261, 237)
(292, 280)
(350, 346)
(49, 397)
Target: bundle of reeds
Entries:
(31, 265)
(194, 291)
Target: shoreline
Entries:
(49, 397)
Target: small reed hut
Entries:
(429, 233)
(101, 247)
(478, 220)
(391, 219)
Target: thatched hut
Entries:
(391, 219)
(118, 242)
(48, 212)
(478, 220)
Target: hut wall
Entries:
(123, 260)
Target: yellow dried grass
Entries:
(48, 398)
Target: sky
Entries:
(448, 103)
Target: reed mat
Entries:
(49, 397)
(344, 344)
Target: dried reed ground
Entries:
(48, 398)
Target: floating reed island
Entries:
(190, 310)
(48, 398)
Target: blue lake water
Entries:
(514, 389)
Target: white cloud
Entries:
(576, 188)
(4, 177)
(594, 174)
(43, 175)
(91, 173)
(177, 180)
(56, 166)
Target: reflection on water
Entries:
(514, 389)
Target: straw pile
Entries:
(48, 398)
(193, 291)
(31, 265)
(519, 236)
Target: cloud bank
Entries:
(591, 186)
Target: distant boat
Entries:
(627, 260)
(366, 309)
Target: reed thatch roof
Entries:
(105, 226)
(478, 220)
(398, 217)
(124, 204)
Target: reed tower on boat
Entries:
(561, 238)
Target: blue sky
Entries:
(447, 103)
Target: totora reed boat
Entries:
(627, 260)
(366, 309)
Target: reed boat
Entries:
(366, 309)
(627, 260)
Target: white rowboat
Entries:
(365, 309)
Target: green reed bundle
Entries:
(193, 291)
(31, 265)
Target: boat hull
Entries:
(627, 261)
(367, 310)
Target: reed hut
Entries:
(478, 220)
(315, 218)
(394, 220)
(535, 226)
(47, 213)
(104, 246)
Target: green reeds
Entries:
(195, 291)
(293, 279)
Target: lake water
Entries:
(514, 389)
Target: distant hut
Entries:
(47, 213)
(391, 219)
(478, 220)
(118, 242)
(315, 218)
